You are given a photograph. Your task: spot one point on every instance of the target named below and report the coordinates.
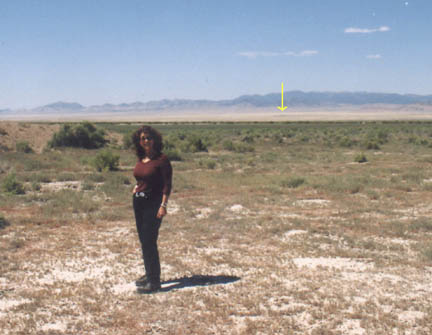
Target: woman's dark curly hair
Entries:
(157, 142)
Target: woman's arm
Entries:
(163, 208)
(166, 191)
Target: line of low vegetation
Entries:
(246, 137)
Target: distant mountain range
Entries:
(291, 98)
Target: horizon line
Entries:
(205, 99)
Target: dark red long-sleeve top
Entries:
(154, 176)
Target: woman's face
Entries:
(146, 141)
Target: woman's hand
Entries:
(161, 212)
(135, 188)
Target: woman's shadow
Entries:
(195, 280)
(3, 223)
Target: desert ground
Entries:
(273, 228)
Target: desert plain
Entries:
(307, 224)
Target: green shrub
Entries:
(237, 147)
(87, 186)
(288, 134)
(228, 145)
(382, 136)
(371, 145)
(360, 158)
(242, 148)
(373, 195)
(127, 140)
(292, 182)
(11, 185)
(86, 160)
(346, 142)
(305, 138)
(278, 138)
(40, 178)
(208, 163)
(418, 141)
(66, 177)
(248, 139)
(269, 157)
(181, 136)
(412, 139)
(106, 161)
(36, 186)
(375, 138)
(84, 135)
(173, 155)
(169, 144)
(427, 252)
(193, 143)
(23, 147)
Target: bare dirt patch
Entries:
(61, 185)
(37, 135)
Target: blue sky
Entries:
(106, 51)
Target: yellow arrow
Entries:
(282, 108)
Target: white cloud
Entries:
(352, 30)
(255, 54)
(307, 53)
(377, 56)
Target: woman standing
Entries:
(153, 173)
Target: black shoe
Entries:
(150, 287)
(141, 281)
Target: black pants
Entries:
(148, 230)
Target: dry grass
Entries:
(293, 240)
